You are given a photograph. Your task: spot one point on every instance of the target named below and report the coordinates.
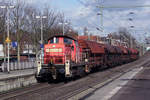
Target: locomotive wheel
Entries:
(40, 80)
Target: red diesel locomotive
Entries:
(67, 57)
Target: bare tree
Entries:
(124, 36)
(2, 25)
(19, 20)
(49, 22)
(25, 28)
(32, 27)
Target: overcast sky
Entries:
(83, 13)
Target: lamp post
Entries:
(101, 20)
(7, 7)
(101, 30)
(41, 19)
(63, 26)
(131, 41)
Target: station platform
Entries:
(138, 88)
(134, 85)
(16, 79)
(17, 73)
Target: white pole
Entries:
(41, 38)
(41, 31)
(63, 27)
(42, 50)
(8, 69)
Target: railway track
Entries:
(26, 90)
(63, 91)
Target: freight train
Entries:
(66, 57)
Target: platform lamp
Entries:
(63, 26)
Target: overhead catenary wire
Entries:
(127, 6)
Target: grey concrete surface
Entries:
(17, 73)
(106, 92)
(16, 79)
(91, 91)
(138, 88)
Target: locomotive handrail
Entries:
(38, 55)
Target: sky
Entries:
(83, 13)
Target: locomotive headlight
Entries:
(47, 50)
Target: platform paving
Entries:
(112, 90)
(138, 88)
(16, 79)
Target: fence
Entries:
(18, 66)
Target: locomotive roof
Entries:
(66, 36)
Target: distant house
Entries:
(28, 48)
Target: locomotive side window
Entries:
(54, 40)
(67, 41)
(51, 41)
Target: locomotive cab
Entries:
(59, 49)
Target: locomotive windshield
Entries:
(67, 41)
